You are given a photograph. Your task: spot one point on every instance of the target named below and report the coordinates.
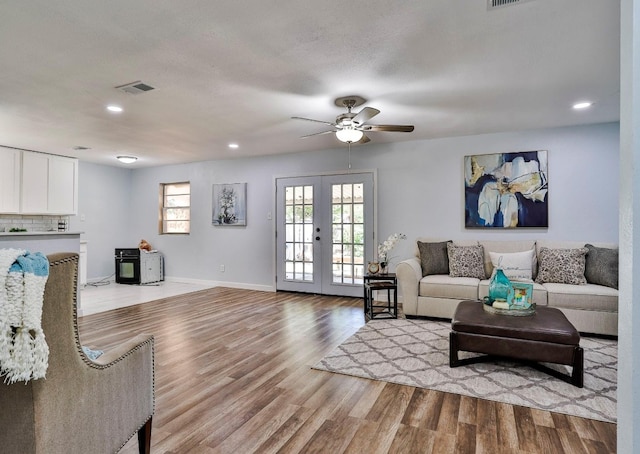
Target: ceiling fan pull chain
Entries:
(349, 155)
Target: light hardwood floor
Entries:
(233, 375)
(102, 298)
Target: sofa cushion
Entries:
(601, 266)
(586, 297)
(445, 286)
(434, 257)
(517, 266)
(562, 266)
(466, 261)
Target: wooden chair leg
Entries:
(144, 438)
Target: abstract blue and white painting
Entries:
(506, 190)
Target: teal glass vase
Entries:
(499, 286)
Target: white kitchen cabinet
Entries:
(49, 184)
(63, 185)
(9, 180)
(35, 183)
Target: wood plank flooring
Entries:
(233, 375)
(109, 295)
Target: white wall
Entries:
(421, 189)
(246, 252)
(420, 193)
(629, 312)
(104, 195)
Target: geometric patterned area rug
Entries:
(416, 353)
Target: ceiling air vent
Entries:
(135, 88)
(492, 4)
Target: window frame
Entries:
(163, 209)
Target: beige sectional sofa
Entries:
(592, 308)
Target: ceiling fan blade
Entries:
(316, 134)
(365, 115)
(317, 121)
(364, 139)
(388, 128)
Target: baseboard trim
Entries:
(240, 285)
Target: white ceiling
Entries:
(236, 71)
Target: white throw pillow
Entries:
(517, 266)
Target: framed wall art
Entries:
(506, 190)
(230, 204)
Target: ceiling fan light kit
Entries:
(350, 127)
(349, 134)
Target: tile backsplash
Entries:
(36, 223)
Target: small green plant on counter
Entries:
(16, 229)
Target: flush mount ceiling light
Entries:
(127, 159)
(114, 108)
(582, 105)
(349, 134)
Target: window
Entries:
(175, 207)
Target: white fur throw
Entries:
(24, 353)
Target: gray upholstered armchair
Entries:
(82, 406)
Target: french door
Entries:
(324, 233)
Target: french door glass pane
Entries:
(348, 232)
(299, 233)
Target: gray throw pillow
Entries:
(434, 258)
(601, 266)
(466, 261)
(562, 266)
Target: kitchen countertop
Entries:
(38, 233)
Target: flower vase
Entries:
(499, 287)
(384, 267)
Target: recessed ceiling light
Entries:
(233, 145)
(582, 105)
(127, 159)
(115, 109)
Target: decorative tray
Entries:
(513, 312)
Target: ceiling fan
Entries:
(350, 127)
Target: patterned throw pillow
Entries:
(466, 261)
(601, 266)
(562, 266)
(517, 266)
(434, 258)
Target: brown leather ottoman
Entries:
(547, 336)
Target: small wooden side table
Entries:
(380, 282)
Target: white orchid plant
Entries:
(385, 248)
